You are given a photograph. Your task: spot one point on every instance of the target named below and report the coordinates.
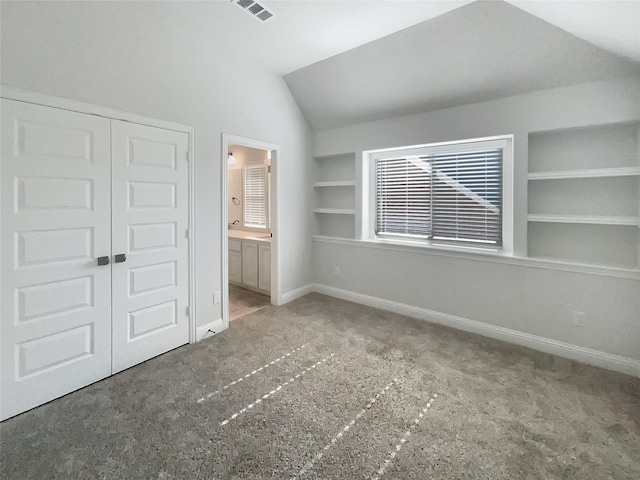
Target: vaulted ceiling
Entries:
(303, 32)
(480, 51)
(359, 60)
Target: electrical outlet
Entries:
(580, 319)
(336, 271)
(216, 297)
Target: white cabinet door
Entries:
(150, 222)
(264, 268)
(235, 266)
(235, 261)
(250, 264)
(55, 326)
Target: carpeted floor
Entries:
(322, 388)
(243, 301)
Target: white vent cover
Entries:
(257, 10)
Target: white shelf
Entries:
(585, 219)
(337, 156)
(587, 173)
(340, 211)
(336, 183)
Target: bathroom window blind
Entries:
(255, 196)
(441, 195)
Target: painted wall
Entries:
(142, 57)
(235, 200)
(243, 156)
(247, 156)
(532, 300)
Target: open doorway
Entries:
(249, 207)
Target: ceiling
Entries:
(303, 32)
(307, 41)
(306, 31)
(612, 25)
(481, 51)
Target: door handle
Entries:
(103, 261)
(121, 257)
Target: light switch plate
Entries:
(216, 297)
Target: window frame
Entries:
(458, 146)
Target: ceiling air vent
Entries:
(257, 10)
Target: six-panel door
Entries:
(150, 214)
(94, 265)
(55, 323)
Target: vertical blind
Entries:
(447, 196)
(255, 196)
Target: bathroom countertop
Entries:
(244, 235)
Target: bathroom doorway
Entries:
(250, 274)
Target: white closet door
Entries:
(55, 325)
(150, 222)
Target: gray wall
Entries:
(528, 299)
(142, 57)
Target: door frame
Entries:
(274, 218)
(17, 94)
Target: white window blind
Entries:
(255, 196)
(445, 194)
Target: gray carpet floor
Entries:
(322, 388)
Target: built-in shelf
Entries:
(347, 156)
(334, 195)
(340, 211)
(587, 173)
(336, 183)
(583, 195)
(584, 219)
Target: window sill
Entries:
(482, 255)
(440, 246)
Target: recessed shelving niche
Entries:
(334, 195)
(584, 187)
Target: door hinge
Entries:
(186, 155)
(188, 311)
(186, 233)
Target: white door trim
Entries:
(274, 217)
(20, 95)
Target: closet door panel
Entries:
(55, 327)
(150, 222)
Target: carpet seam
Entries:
(309, 465)
(274, 391)
(254, 372)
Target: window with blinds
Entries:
(449, 193)
(255, 196)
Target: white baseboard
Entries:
(297, 293)
(206, 330)
(596, 358)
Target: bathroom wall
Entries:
(243, 156)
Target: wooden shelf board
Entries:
(587, 173)
(586, 219)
